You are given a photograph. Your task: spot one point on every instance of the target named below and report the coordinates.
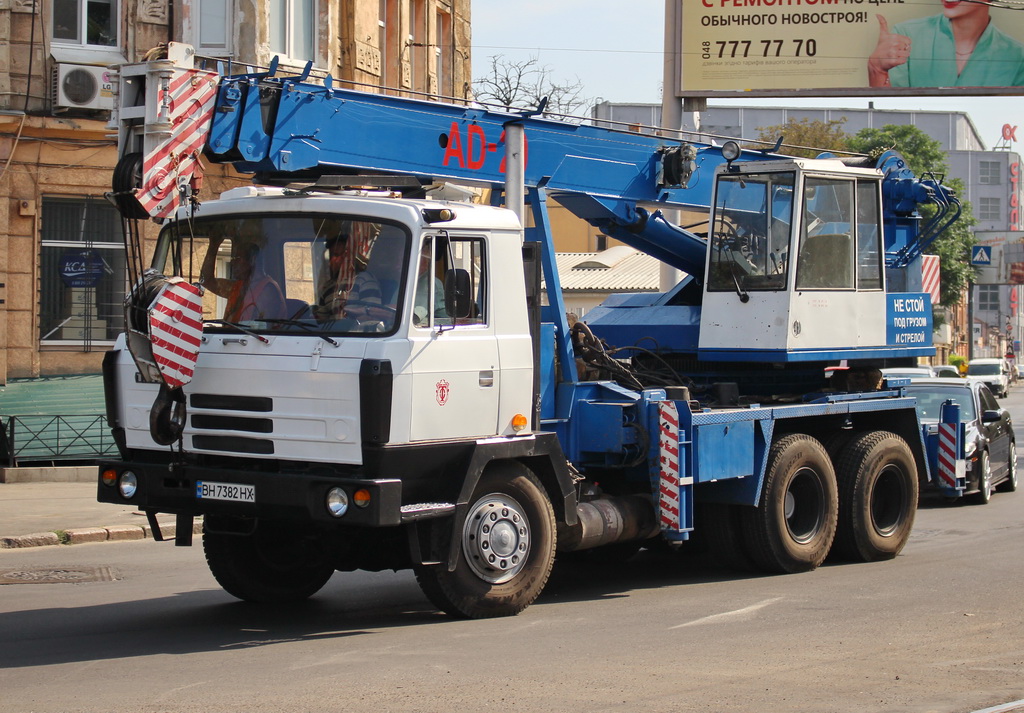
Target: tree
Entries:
(806, 138)
(523, 84)
(924, 154)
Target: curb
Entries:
(83, 535)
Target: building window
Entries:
(212, 32)
(443, 54)
(990, 173)
(85, 22)
(292, 24)
(82, 271)
(989, 209)
(988, 298)
(418, 46)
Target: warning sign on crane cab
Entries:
(909, 320)
(868, 47)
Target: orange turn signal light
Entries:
(519, 422)
(361, 498)
(109, 477)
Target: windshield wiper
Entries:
(305, 325)
(240, 328)
(733, 270)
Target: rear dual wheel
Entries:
(791, 530)
(878, 492)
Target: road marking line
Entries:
(740, 614)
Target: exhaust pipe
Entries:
(609, 519)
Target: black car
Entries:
(991, 445)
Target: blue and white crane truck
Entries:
(451, 418)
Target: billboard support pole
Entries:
(671, 112)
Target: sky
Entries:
(614, 49)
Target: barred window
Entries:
(988, 298)
(989, 209)
(82, 271)
(990, 172)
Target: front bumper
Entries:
(171, 488)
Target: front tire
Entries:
(1010, 484)
(984, 494)
(271, 565)
(878, 492)
(507, 549)
(791, 530)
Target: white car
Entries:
(993, 372)
(908, 372)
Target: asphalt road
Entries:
(940, 628)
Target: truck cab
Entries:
(420, 289)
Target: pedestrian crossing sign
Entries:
(981, 255)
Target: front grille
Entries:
(260, 404)
(232, 423)
(234, 444)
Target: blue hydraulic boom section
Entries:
(284, 127)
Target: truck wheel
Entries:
(877, 497)
(507, 549)
(719, 524)
(271, 565)
(984, 494)
(1010, 484)
(792, 528)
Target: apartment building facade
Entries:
(62, 260)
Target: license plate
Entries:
(206, 490)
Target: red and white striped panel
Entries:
(947, 454)
(930, 277)
(186, 105)
(176, 330)
(669, 504)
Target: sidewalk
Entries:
(50, 513)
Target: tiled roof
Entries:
(618, 269)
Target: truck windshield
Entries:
(984, 369)
(751, 232)
(325, 274)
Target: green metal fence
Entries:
(41, 438)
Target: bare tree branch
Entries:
(523, 84)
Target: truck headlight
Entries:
(337, 502)
(128, 484)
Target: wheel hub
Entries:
(802, 506)
(496, 538)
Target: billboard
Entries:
(849, 47)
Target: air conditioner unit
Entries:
(82, 86)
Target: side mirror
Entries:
(458, 301)
(991, 416)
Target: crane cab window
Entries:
(750, 233)
(826, 261)
(840, 236)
